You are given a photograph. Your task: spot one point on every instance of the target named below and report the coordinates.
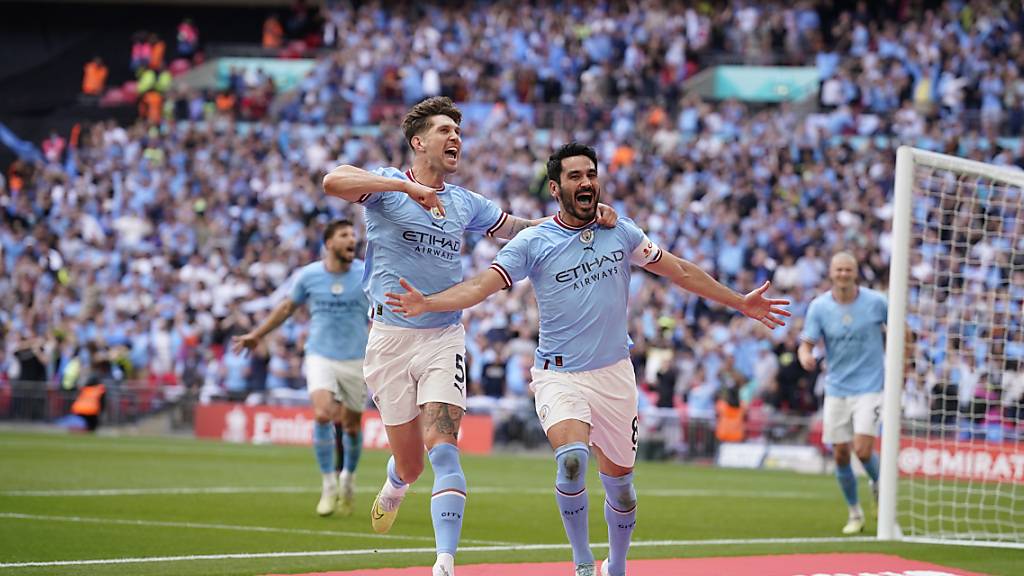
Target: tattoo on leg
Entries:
(444, 418)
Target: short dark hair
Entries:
(568, 151)
(418, 118)
(334, 227)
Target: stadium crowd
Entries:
(136, 254)
(960, 56)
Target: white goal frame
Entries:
(907, 158)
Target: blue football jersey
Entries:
(337, 310)
(581, 280)
(406, 241)
(854, 342)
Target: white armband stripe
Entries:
(647, 252)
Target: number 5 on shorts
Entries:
(460, 374)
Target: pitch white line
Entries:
(231, 527)
(985, 544)
(651, 492)
(167, 491)
(511, 548)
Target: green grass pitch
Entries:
(74, 497)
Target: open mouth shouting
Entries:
(451, 153)
(585, 199)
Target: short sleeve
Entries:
(300, 292)
(643, 250)
(812, 324)
(883, 308)
(485, 216)
(374, 200)
(513, 260)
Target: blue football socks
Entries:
(323, 446)
(620, 514)
(871, 467)
(448, 503)
(848, 483)
(353, 448)
(571, 496)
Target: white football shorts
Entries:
(343, 378)
(845, 416)
(604, 398)
(407, 367)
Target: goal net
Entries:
(954, 472)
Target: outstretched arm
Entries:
(691, 277)
(281, 312)
(355, 185)
(466, 294)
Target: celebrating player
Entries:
(583, 382)
(851, 320)
(416, 367)
(334, 356)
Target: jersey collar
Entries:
(560, 222)
(409, 174)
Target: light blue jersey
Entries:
(581, 279)
(854, 347)
(337, 310)
(406, 241)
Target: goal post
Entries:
(953, 471)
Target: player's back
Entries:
(406, 241)
(581, 279)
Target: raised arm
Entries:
(281, 312)
(692, 278)
(356, 185)
(466, 294)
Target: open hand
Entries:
(425, 196)
(244, 342)
(410, 303)
(765, 310)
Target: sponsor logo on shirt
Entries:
(592, 270)
(432, 245)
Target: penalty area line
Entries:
(466, 549)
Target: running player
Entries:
(333, 363)
(851, 320)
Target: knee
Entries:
(325, 412)
(409, 471)
(572, 460)
(842, 455)
(444, 459)
(353, 426)
(619, 492)
(864, 453)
